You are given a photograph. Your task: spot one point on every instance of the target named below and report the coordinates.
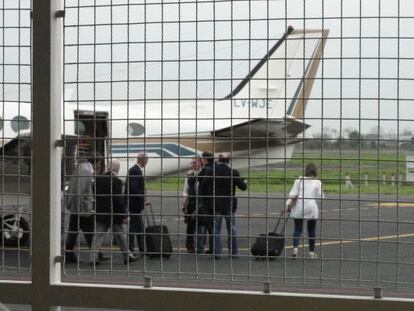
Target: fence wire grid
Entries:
(250, 93)
(15, 123)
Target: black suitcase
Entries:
(271, 245)
(157, 238)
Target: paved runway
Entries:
(363, 242)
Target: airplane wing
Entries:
(279, 128)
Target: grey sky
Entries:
(346, 56)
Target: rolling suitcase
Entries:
(157, 238)
(271, 245)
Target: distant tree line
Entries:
(353, 139)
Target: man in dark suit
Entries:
(190, 202)
(110, 212)
(226, 180)
(135, 202)
(204, 217)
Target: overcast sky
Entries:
(385, 65)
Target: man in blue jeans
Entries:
(226, 180)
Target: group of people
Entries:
(209, 193)
(209, 197)
(98, 203)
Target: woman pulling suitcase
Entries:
(302, 205)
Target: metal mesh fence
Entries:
(15, 123)
(204, 91)
(176, 79)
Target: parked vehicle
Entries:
(16, 184)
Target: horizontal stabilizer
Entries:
(265, 127)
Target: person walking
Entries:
(190, 202)
(303, 206)
(226, 180)
(110, 213)
(135, 202)
(79, 202)
(204, 217)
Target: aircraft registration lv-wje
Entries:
(258, 123)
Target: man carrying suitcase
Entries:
(135, 202)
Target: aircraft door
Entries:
(92, 127)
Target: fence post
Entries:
(47, 98)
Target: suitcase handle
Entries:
(148, 206)
(282, 213)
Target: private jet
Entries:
(258, 123)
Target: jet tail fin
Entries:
(284, 77)
(259, 65)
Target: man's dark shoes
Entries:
(209, 251)
(131, 259)
(102, 258)
(71, 259)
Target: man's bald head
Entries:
(114, 166)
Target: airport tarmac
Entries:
(363, 242)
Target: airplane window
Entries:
(20, 123)
(79, 128)
(135, 129)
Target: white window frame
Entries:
(47, 291)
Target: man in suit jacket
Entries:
(190, 202)
(239, 183)
(226, 180)
(204, 217)
(79, 201)
(110, 212)
(135, 202)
